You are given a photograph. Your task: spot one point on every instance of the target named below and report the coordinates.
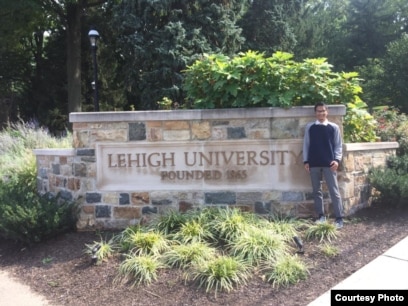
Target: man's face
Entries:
(321, 113)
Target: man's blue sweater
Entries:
(322, 144)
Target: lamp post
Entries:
(93, 38)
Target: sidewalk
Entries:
(387, 271)
(13, 293)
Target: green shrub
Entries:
(193, 231)
(146, 243)
(139, 270)
(18, 141)
(253, 80)
(169, 222)
(184, 255)
(256, 245)
(322, 231)
(392, 126)
(359, 124)
(29, 217)
(100, 250)
(220, 274)
(25, 215)
(391, 183)
(286, 271)
(230, 223)
(329, 250)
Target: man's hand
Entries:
(334, 165)
(307, 167)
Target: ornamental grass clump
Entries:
(256, 245)
(100, 251)
(184, 255)
(169, 222)
(286, 227)
(329, 250)
(322, 231)
(139, 270)
(220, 274)
(193, 231)
(231, 223)
(146, 243)
(285, 271)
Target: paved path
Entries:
(13, 293)
(388, 271)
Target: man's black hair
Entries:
(320, 104)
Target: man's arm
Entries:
(306, 144)
(338, 145)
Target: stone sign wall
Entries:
(125, 165)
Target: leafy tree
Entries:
(158, 39)
(395, 78)
(19, 50)
(268, 26)
(319, 30)
(372, 24)
(386, 78)
(349, 32)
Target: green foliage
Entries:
(28, 217)
(146, 243)
(256, 245)
(359, 125)
(220, 274)
(286, 271)
(25, 215)
(186, 255)
(229, 224)
(287, 227)
(230, 259)
(169, 222)
(392, 125)
(102, 250)
(269, 26)
(391, 184)
(193, 231)
(17, 142)
(322, 231)
(158, 39)
(253, 80)
(329, 250)
(139, 269)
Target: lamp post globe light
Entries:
(93, 38)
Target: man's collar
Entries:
(325, 122)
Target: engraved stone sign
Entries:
(254, 164)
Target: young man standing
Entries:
(322, 152)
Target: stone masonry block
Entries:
(140, 198)
(103, 211)
(127, 212)
(137, 131)
(201, 130)
(220, 198)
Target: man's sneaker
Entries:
(321, 219)
(339, 223)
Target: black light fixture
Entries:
(299, 244)
(93, 38)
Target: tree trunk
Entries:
(74, 57)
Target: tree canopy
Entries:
(145, 46)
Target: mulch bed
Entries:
(60, 271)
